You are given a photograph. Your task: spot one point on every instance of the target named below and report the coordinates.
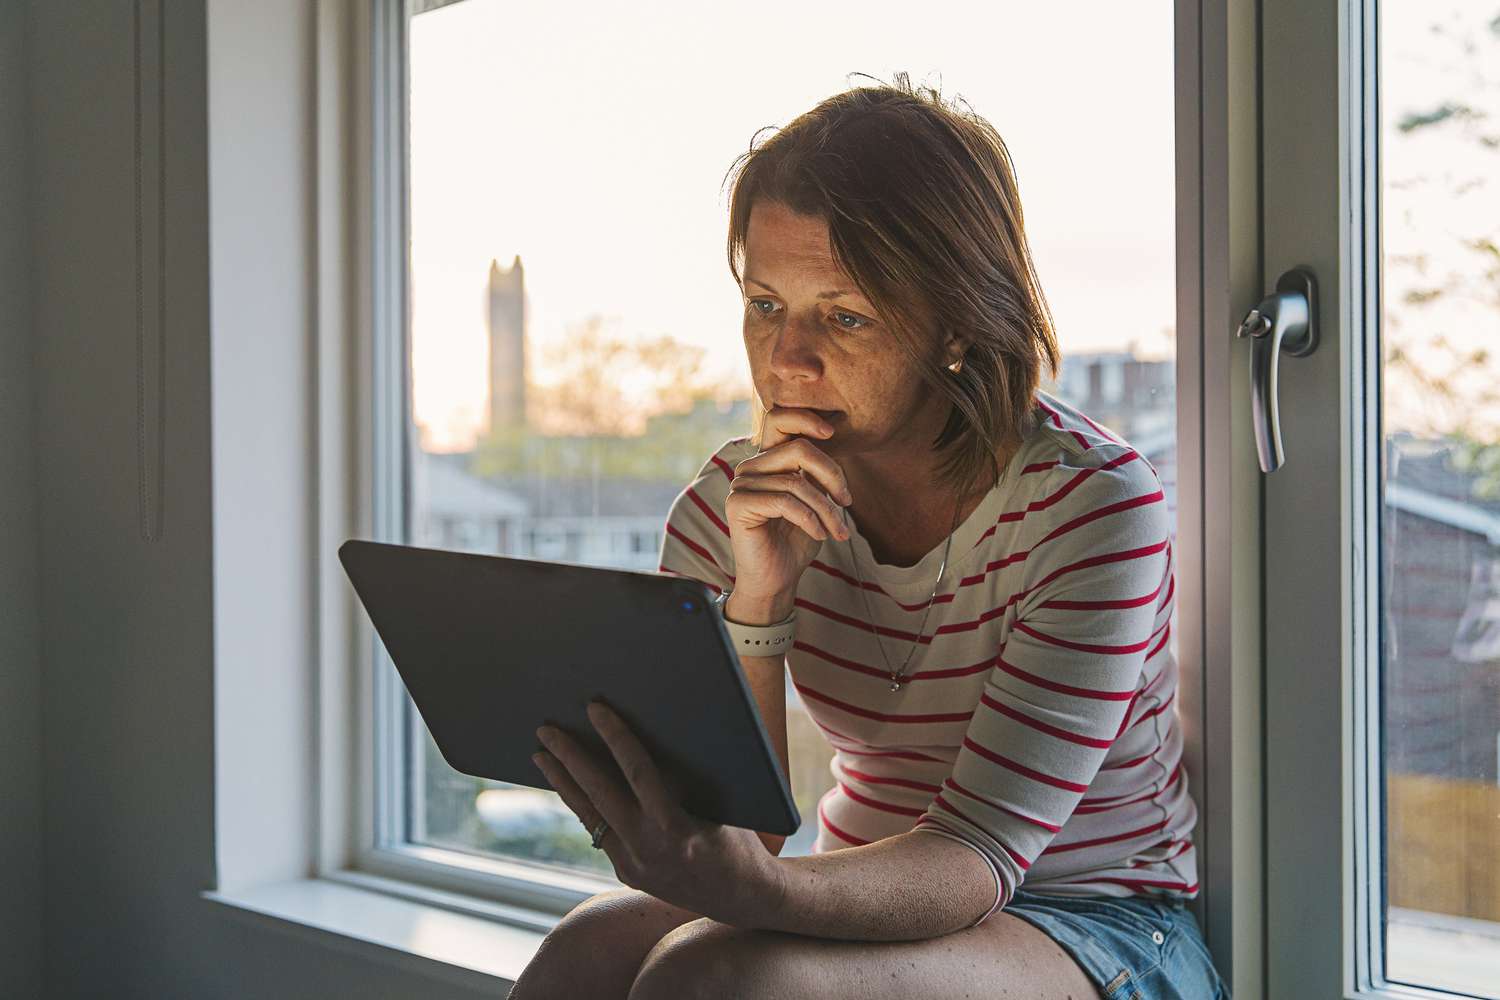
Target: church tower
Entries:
(507, 302)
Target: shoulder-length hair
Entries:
(923, 213)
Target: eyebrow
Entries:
(822, 295)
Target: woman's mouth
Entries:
(829, 415)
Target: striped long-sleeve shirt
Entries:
(1038, 725)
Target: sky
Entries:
(595, 145)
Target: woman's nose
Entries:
(794, 351)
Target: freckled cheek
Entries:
(881, 408)
(760, 366)
(871, 383)
(757, 348)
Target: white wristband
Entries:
(758, 640)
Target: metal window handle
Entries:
(1284, 321)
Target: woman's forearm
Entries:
(903, 888)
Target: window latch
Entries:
(1283, 321)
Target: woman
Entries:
(979, 584)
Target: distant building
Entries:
(455, 510)
(612, 522)
(1131, 395)
(1440, 661)
(507, 328)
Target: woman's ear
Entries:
(954, 347)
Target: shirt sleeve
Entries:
(695, 542)
(1063, 682)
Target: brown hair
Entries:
(924, 215)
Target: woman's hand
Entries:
(783, 503)
(723, 872)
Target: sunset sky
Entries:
(595, 147)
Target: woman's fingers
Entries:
(787, 445)
(782, 423)
(636, 764)
(584, 782)
(800, 454)
(773, 504)
(820, 504)
(567, 789)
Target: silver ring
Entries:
(598, 832)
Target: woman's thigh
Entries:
(597, 948)
(1002, 957)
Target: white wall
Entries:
(20, 662)
(261, 264)
(134, 631)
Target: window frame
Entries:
(362, 711)
(1218, 140)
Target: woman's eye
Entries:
(844, 320)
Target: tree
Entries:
(638, 409)
(611, 384)
(1442, 389)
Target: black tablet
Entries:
(491, 647)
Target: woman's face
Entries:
(814, 341)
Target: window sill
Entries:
(477, 952)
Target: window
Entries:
(1382, 711)
(1440, 523)
(574, 352)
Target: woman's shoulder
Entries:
(734, 451)
(709, 487)
(716, 471)
(1076, 473)
(1068, 442)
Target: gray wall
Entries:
(126, 623)
(20, 662)
(109, 640)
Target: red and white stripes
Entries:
(1038, 723)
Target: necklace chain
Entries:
(898, 676)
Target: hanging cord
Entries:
(151, 475)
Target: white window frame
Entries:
(363, 324)
(1219, 599)
(363, 308)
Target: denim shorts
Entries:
(1133, 947)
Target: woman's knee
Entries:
(597, 947)
(703, 958)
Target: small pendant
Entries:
(895, 685)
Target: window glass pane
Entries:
(1440, 216)
(576, 348)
